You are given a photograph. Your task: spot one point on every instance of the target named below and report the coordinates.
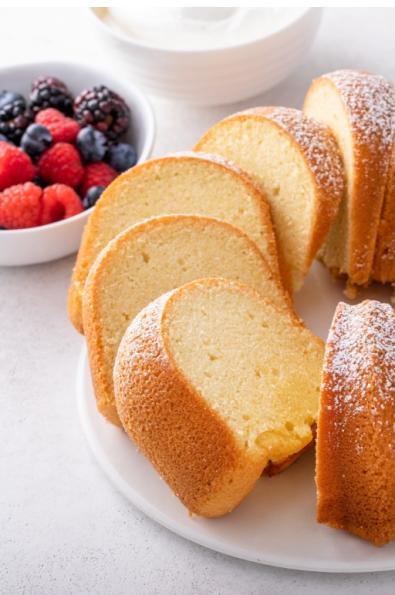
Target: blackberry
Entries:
(48, 91)
(104, 110)
(14, 118)
(121, 156)
(92, 196)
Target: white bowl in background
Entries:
(212, 76)
(49, 242)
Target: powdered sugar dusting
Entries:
(369, 104)
(370, 100)
(318, 146)
(358, 386)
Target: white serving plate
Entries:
(275, 524)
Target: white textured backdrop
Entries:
(63, 528)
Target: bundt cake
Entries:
(355, 472)
(384, 257)
(359, 108)
(186, 183)
(212, 382)
(296, 162)
(149, 259)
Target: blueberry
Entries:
(35, 140)
(8, 99)
(121, 156)
(92, 144)
(4, 138)
(92, 196)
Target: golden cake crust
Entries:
(198, 455)
(368, 101)
(384, 258)
(88, 251)
(316, 144)
(355, 460)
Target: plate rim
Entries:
(134, 497)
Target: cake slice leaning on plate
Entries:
(296, 162)
(213, 382)
(355, 471)
(151, 258)
(185, 183)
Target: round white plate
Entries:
(275, 524)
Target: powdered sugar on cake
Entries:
(371, 105)
(317, 145)
(359, 370)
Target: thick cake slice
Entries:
(186, 183)
(359, 108)
(355, 472)
(213, 382)
(296, 162)
(149, 259)
(384, 257)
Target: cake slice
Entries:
(384, 256)
(186, 183)
(214, 382)
(296, 162)
(149, 259)
(355, 473)
(359, 108)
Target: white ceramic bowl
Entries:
(48, 242)
(215, 76)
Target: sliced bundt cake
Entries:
(296, 162)
(186, 183)
(213, 382)
(384, 256)
(359, 108)
(355, 472)
(149, 259)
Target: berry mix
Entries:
(57, 153)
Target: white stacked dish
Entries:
(211, 75)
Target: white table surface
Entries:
(63, 528)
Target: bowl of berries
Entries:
(66, 132)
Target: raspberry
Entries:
(59, 202)
(61, 164)
(15, 166)
(20, 206)
(52, 210)
(62, 129)
(97, 174)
